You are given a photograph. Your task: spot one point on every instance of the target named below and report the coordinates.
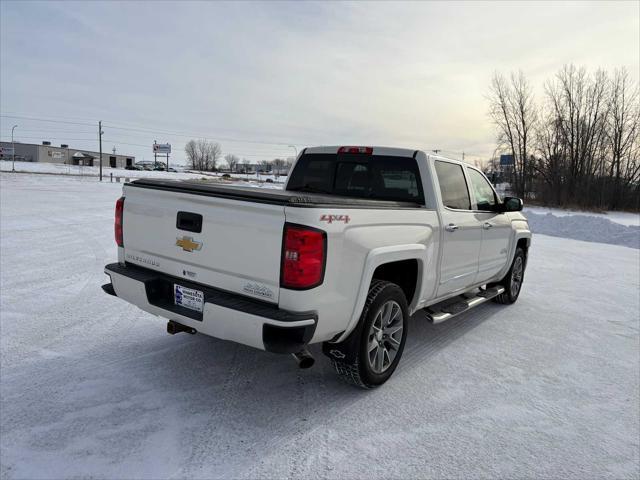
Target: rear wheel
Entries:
(512, 282)
(369, 356)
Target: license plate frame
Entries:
(188, 298)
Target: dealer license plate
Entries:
(188, 297)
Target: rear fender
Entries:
(380, 256)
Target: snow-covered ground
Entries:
(93, 387)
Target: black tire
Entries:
(352, 358)
(513, 286)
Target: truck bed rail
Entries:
(271, 196)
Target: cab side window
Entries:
(485, 196)
(453, 186)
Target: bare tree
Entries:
(578, 105)
(203, 154)
(232, 161)
(512, 109)
(214, 152)
(265, 165)
(622, 135)
(549, 166)
(191, 150)
(582, 148)
(278, 165)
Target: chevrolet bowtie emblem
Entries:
(188, 244)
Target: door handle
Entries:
(451, 227)
(487, 225)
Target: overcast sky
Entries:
(397, 74)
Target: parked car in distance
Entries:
(359, 239)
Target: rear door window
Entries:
(453, 186)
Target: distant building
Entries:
(45, 152)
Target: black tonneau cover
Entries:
(268, 195)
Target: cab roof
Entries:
(389, 151)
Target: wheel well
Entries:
(403, 273)
(523, 243)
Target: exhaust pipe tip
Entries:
(171, 328)
(304, 359)
(175, 327)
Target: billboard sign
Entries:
(506, 160)
(163, 148)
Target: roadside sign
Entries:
(506, 160)
(163, 148)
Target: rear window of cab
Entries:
(376, 177)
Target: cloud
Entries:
(403, 74)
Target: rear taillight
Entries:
(304, 251)
(365, 150)
(117, 226)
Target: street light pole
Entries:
(294, 149)
(13, 146)
(100, 132)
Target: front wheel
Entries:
(369, 356)
(512, 282)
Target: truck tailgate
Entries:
(237, 248)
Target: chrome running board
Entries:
(445, 310)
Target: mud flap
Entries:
(347, 350)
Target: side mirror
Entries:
(512, 204)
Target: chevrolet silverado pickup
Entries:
(359, 239)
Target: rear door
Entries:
(462, 233)
(496, 227)
(226, 243)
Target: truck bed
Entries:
(270, 196)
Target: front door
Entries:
(461, 232)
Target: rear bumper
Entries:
(226, 315)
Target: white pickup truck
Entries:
(358, 240)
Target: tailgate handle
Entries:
(190, 222)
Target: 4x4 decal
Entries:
(335, 218)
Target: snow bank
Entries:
(588, 228)
(623, 218)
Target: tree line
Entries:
(578, 145)
(205, 155)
